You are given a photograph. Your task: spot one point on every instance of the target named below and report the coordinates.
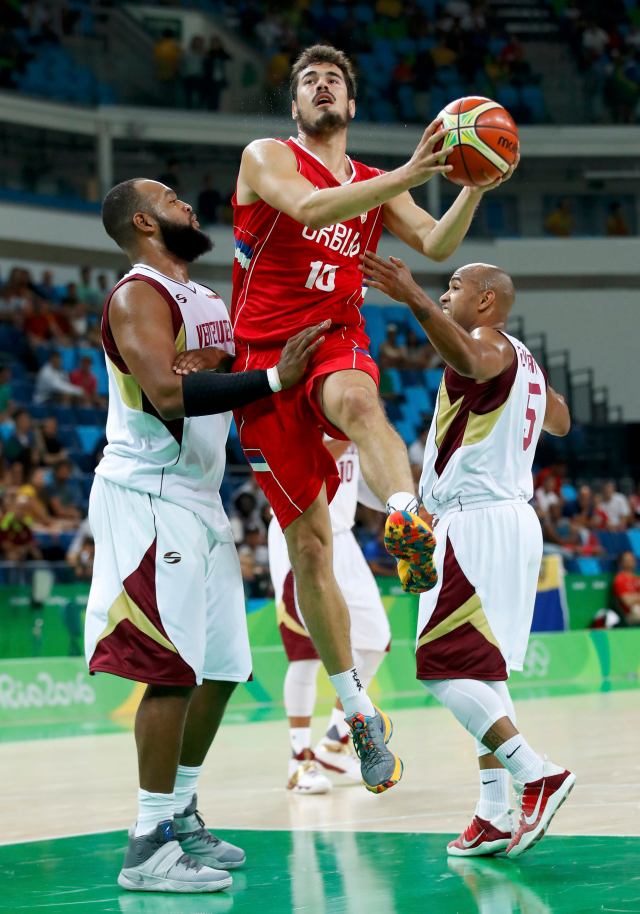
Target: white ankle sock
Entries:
(519, 759)
(300, 738)
(352, 694)
(337, 720)
(186, 786)
(153, 808)
(402, 501)
(494, 792)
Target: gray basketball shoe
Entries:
(198, 842)
(380, 768)
(156, 863)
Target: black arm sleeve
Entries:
(207, 392)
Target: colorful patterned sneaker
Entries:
(337, 755)
(483, 837)
(379, 767)
(198, 842)
(156, 863)
(305, 775)
(410, 540)
(540, 800)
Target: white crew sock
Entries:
(338, 722)
(402, 501)
(186, 786)
(494, 793)
(153, 808)
(300, 738)
(520, 760)
(352, 694)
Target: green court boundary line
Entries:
(296, 828)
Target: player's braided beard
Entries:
(183, 241)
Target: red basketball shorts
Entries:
(281, 436)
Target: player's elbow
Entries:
(168, 402)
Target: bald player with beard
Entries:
(473, 626)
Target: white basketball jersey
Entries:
(343, 507)
(181, 460)
(483, 436)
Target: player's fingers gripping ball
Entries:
(483, 139)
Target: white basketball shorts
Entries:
(475, 623)
(166, 605)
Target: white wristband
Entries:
(274, 379)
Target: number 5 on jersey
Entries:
(530, 414)
(322, 276)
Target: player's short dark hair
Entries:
(324, 53)
(118, 209)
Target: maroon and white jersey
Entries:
(181, 460)
(483, 436)
(287, 276)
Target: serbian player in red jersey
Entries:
(303, 211)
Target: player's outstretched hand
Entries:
(297, 352)
(391, 276)
(425, 163)
(210, 359)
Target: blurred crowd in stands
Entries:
(412, 57)
(605, 41)
(53, 387)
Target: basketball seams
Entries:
(463, 160)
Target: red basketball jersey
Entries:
(287, 276)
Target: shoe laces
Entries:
(189, 863)
(203, 832)
(364, 744)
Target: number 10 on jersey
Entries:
(321, 276)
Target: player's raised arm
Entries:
(481, 353)
(268, 171)
(436, 238)
(140, 323)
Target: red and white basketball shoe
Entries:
(482, 837)
(539, 803)
(338, 755)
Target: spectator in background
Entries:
(634, 506)
(585, 512)
(17, 295)
(87, 292)
(16, 532)
(254, 562)
(193, 73)
(419, 351)
(83, 560)
(617, 225)
(245, 511)
(7, 406)
(209, 201)
(171, 175)
(560, 221)
(167, 55)
(20, 446)
(41, 324)
(64, 493)
(46, 287)
(53, 385)
(616, 507)
(215, 72)
(392, 354)
(546, 495)
(84, 377)
(48, 443)
(626, 588)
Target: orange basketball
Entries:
(483, 137)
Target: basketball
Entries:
(484, 140)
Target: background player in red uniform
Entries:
(303, 212)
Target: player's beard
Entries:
(185, 242)
(328, 122)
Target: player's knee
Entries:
(310, 556)
(358, 406)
